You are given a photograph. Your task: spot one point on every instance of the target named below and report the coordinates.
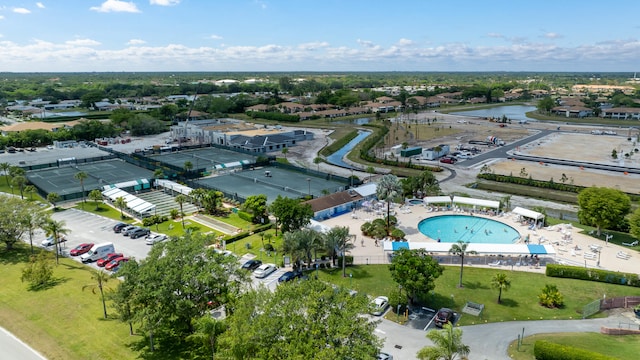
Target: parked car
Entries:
(125, 230)
(464, 156)
(49, 241)
(380, 305)
(443, 316)
(156, 238)
(116, 262)
(107, 259)
(119, 226)
(290, 275)
(138, 232)
(251, 264)
(447, 160)
(81, 249)
(385, 356)
(264, 270)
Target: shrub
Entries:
(545, 350)
(39, 271)
(348, 260)
(551, 297)
(245, 216)
(174, 213)
(396, 298)
(581, 273)
(269, 247)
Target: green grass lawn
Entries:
(621, 347)
(234, 220)
(518, 303)
(61, 322)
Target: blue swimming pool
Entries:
(474, 229)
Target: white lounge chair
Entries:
(590, 256)
(631, 244)
(495, 263)
(623, 255)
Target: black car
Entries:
(119, 226)
(444, 316)
(289, 275)
(139, 232)
(251, 265)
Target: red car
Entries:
(116, 262)
(107, 259)
(447, 160)
(81, 249)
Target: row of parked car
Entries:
(103, 254)
(131, 231)
(261, 271)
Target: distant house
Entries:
(621, 113)
(332, 205)
(575, 111)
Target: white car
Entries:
(385, 356)
(156, 238)
(49, 241)
(264, 270)
(380, 305)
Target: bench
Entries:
(472, 308)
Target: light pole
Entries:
(350, 279)
(309, 183)
(598, 264)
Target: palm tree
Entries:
(188, 165)
(389, 187)
(81, 176)
(181, 199)
(285, 151)
(460, 249)
(500, 282)
(340, 236)
(120, 203)
(19, 181)
(317, 160)
(53, 198)
(5, 166)
(30, 189)
(100, 278)
(207, 330)
(96, 196)
(34, 220)
(198, 195)
(291, 245)
(56, 229)
(447, 345)
(158, 174)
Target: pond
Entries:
(359, 121)
(336, 157)
(513, 112)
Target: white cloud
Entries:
(1, 17)
(21, 11)
(495, 35)
(40, 5)
(82, 42)
(136, 42)
(164, 2)
(366, 43)
(116, 6)
(405, 42)
(215, 37)
(552, 35)
(312, 46)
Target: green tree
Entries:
(371, 170)
(198, 195)
(16, 219)
(551, 297)
(424, 184)
(158, 174)
(301, 244)
(96, 197)
(415, 271)
(30, 189)
(19, 182)
(501, 282)
(188, 166)
(447, 345)
(207, 330)
(389, 188)
(181, 199)
(53, 198)
(5, 166)
(57, 229)
(634, 223)
(290, 214)
(81, 176)
(303, 320)
(39, 271)
(100, 278)
(257, 206)
(546, 104)
(120, 203)
(212, 201)
(33, 220)
(285, 151)
(317, 160)
(602, 207)
(460, 249)
(338, 240)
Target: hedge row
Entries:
(581, 273)
(274, 116)
(545, 350)
(231, 238)
(339, 144)
(531, 182)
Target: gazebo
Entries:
(529, 214)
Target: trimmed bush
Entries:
(245, 216)
(545, 350)
(348, 260)
(581, 273)
(231, 238)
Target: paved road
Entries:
(503, 151)
(13, 348)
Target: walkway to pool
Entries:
(565, 244)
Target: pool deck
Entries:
(563, 238)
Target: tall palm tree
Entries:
(500, 282)
(34, 220)
(206, 331)
(447, 345)
(388, 188)
(19, 181)
(285, 151)
(317, 160)
(53, 198)
(96, 197)
(56, 229)
(30, 189)
(181, 199)
(188, 166)
(81, 176)
(5, 166)
(198, 195)
(120, 203)
(158, 174)
(460, 249)
(99, 278)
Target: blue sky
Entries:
(319, 35)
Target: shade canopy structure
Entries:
(437, 200)
(530, 214)
(174, 186)
(134, 204)
(476, 202)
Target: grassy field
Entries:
(61, 322)
(621, 347)
(518, 303)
